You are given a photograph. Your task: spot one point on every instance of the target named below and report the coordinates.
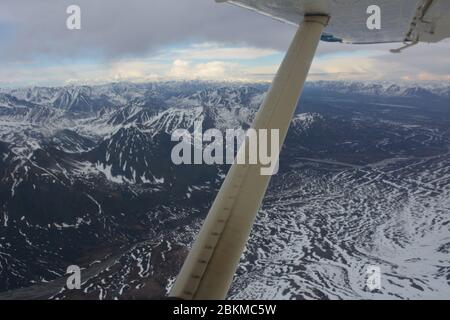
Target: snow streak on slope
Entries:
(324, 224)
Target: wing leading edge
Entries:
(402, 20)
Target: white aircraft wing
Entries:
(401, 20)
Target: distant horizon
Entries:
(400, 83)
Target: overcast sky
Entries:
(142, 40)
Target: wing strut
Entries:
(208, 270)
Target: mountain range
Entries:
(86, 179)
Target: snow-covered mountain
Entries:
(385, 89)
(86, 178)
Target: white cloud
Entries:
(214, 51)
(358, 68)
(213, 70)
(134, 70)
